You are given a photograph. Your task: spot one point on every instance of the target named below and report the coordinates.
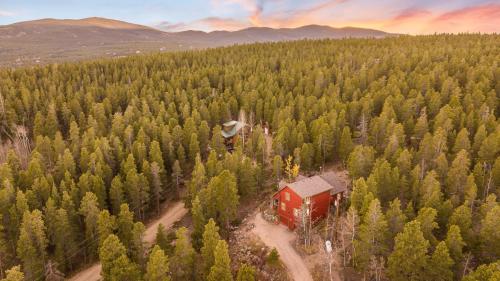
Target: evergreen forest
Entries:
(90, 151)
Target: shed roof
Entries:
(307, 187)
(338, 184)
(230, 123)
(227, 133)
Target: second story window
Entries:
(287, 196)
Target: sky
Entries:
(400, 16)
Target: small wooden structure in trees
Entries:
(230, 132)
(307, 200)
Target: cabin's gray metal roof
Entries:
(282, 184)
(307, 187)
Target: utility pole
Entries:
(337, 203)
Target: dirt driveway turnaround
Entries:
(279, 237)
(172, 215)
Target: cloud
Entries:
(480, 18)
(205, 24)
(410, 14)
(215, 23)
(6, 13)
(170, 26)
(483, 18)
(254, 8)
(416, 19)
(490, 11)
(293, 17)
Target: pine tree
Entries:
(384, 181)
(106, 225)
(157, 268)
(137, 248)
(221, 270)
(462, 217)
(51, 124)
(203, 136)
(409, 260)
(197, 182)
(50, 219)
(277, 168)
(182, 263)
(470, 190)
(198, 223)
(457, 177)
(441, 167)
(421, 127)
(246, 175)
(373, 235)
(404, 162)
(5, 254)
(346, 144)
(116, 266)
(455, 243)
(177, 175)
(181, 156)
(194, 147)
(210, 239)
(361, 161)
(462, 141)
(273, 258)
(125, 224)
(396, 219)
(221, 199)
(359, 192)
(212, 166)
(490, 234)
(65, 240)
(246, 273)
(440, 264)
(430, 193)
(116, 194)
(132, 186)
(90, 211)
(155, 156)
(307, 157)
(162, 239)
(32, 245)
(427, 219)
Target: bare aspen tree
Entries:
(348, 231)
(52, 273)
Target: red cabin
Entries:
(312, 195)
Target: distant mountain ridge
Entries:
(56, 40)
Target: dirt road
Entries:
(172, 214)
(279, 237)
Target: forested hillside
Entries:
(91, 149)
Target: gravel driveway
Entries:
(279, 237)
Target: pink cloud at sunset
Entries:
(408, 17)
(397, 16)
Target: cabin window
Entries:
(287, 196)
(295, 212)
(283, 206)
